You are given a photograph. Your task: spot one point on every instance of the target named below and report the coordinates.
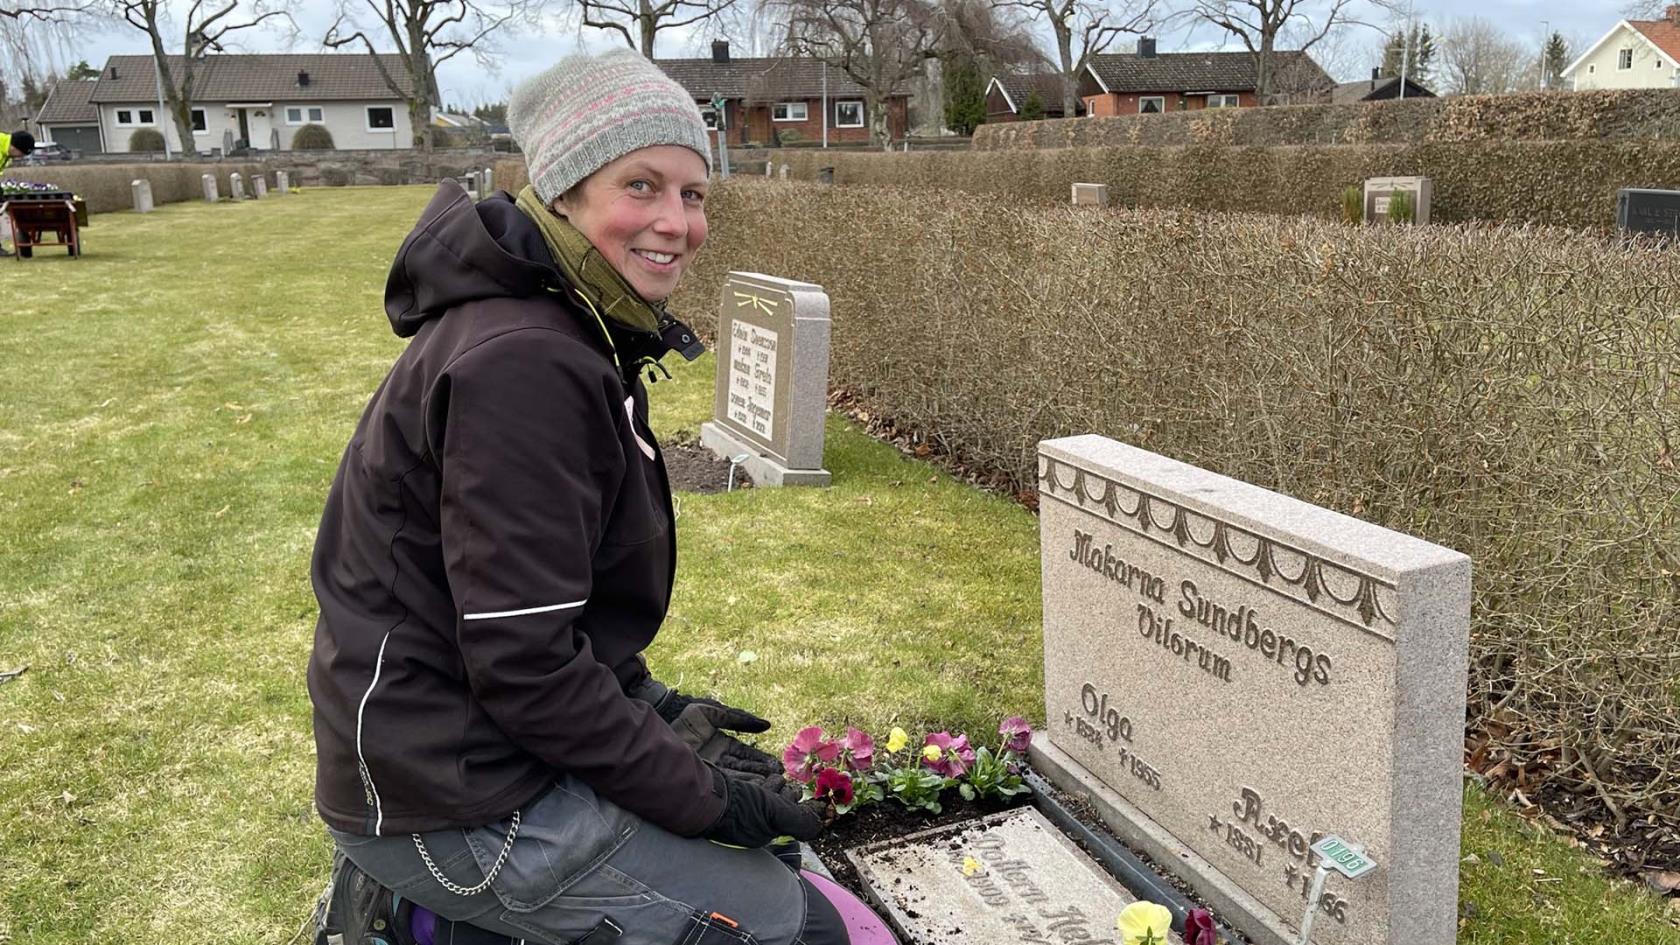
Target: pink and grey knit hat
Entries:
(585, 112)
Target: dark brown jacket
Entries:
(495, 553)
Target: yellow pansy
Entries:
(970, 866)
(932, 752)
(897, 739)
(1144, 923)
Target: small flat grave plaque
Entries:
(1007, 879)
(1380, 191)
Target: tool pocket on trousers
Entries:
(714, 929)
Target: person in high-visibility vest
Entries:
(14, 145)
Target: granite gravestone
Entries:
(236, 186)
(1648, 211)
(1090, 195)
(1231, 674)
(283, 182)
(1002, 880)
(142, 191)
(259, 186)
(211, 194)
(772, 379)
(1379, 191)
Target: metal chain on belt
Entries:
(457, 888)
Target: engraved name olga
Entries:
(1240, 625)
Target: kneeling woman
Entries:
(497, 550)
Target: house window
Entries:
(200, 125)
(313, 114)
(789, 111)
(1223, 101)
(1152, 104)
(1624, 59)
(134, 117)
(848, 114)
(381, 118)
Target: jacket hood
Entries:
(462, 252)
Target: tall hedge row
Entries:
(1528, 116)
(106, 187)
(1513, 393)
(1570, 183)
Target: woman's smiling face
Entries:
(645, 214)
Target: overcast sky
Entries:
(467, 81)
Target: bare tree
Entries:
(426, 34)
(1261, 23)
(641, 21)
(1086, 28)
(204, 26)
(40, 11)
(880, 44)
(1478, 59)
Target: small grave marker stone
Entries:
(283, 182)
(236, 186)
(259, 186)
(1001, 880)
(1090, 195)
(1379, 191)
(487, 182)
(784, 172)
(142, 191)
(1639, 210)
(1232, 675)
(772, 379)
(211, 193)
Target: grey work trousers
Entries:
(579, 859)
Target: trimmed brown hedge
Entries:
(1508, 392)
(1568, 183)
(106, 187)
(1526, 116)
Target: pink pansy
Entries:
(860, 749)
(954, 754)
(808, 751)
(1017, 732)
(834, 784)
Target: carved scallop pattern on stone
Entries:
(1326, 586)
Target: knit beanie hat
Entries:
(585, 112)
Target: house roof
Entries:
(1364, 89)
(259, 78)
(1199, 71)
(1663, 34)
(1018, 88)
(67, 104)
(760, 80)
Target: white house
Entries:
(260, 101)
(1635, 54)
(69, 119)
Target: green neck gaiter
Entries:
(585, 268)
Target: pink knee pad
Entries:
(863, 926)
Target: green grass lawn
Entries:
(172, 407)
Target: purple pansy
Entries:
(1017, 734)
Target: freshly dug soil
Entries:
(694, 468)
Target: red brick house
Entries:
(770, 101)
(1146, 82)
(1007, 96)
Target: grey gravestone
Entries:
(259, 186)
(236, 186)
(1231, 673)
(1005, 879)
(283, 182)
(211, 193)
(772, 379)
(142, 190)
(784, 172)
(274, 139)
(1380, 190)
(487, 182)
(227, 142)
(1648, 211)
(1090, 195)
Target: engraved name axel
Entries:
(1241, 625)
(1248, 811)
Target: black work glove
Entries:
(753, 816)
(670, 707)
(701, 726)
